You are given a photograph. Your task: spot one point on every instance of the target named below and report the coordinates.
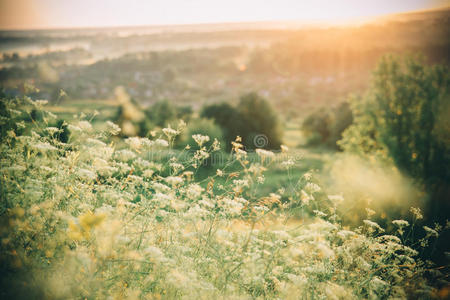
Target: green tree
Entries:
(402, 117)
(228, 118)
(162, 113)
(252, 118)
(260, 119)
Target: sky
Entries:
(39, 14)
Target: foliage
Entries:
(325, 126)
(86, 219)
(252, 117)
(402, 118)
(227, 117)
(161, 113)
(202, 127)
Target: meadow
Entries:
(85, 219)
(234, 163)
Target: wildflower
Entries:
(373, 225)
(52, 130)
(162, 143)
(400, 223)
(319, 213)
(260, 179)
(305, 197)
(219, 173)
(84, 125)
(201, 154)
(241, 152)
(370, 212)
(155, 254)
(312, 187)
(86, 174)
(264, 153)
(176, 167)
(169, 132)
(74, 128)
(148, 173)
(194, 191)
(178, 279)
(162, 198)
(200, 139)
(113, 129)
(284, 148)
(173, 180)
(124, 155)
(416, 212)
(430, 231)
(307, 176)
(134, 142)
(216, 145)
(287, 163)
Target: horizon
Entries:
(355, 14)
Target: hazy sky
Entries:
(25, 14)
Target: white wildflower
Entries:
(73, 128)
(194, 191)
(86, 174)
(113, 129)
(400, 223)
(85, 125)
(148, 173)
(52, 130)
(134, 142)
(124, 155)
(264, 153)
(373, 225)
(162, 143)
(416, 212)
(319, 213)
(200, 139)
(430, 231)
(169, 132)
(287, 163)
(312, 187)
(173, 180)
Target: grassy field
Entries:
(92, 218)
